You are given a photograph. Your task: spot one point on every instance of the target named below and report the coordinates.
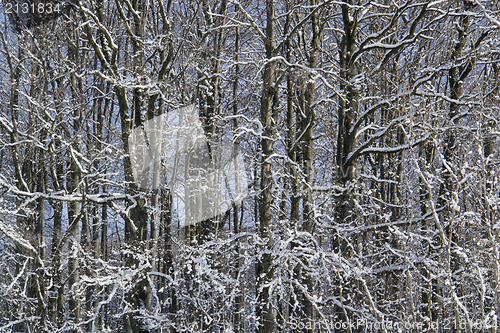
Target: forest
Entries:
(249, 166)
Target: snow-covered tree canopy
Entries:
(249, 166)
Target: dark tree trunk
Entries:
(266, 312)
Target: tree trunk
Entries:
(265, 273)
(346, 141)
(74, 209)
(239, 313)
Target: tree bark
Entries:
(74, 176)
(265, 273)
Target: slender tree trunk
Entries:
(55, 301)
(265, 274)
(239, 314)
(74, 176)
(346, 141)
(168, 257)
(15, 76)
(426, 155)
(40, 238)
(292, 148)
(304, 311)
(158, 128)
(308, 156)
